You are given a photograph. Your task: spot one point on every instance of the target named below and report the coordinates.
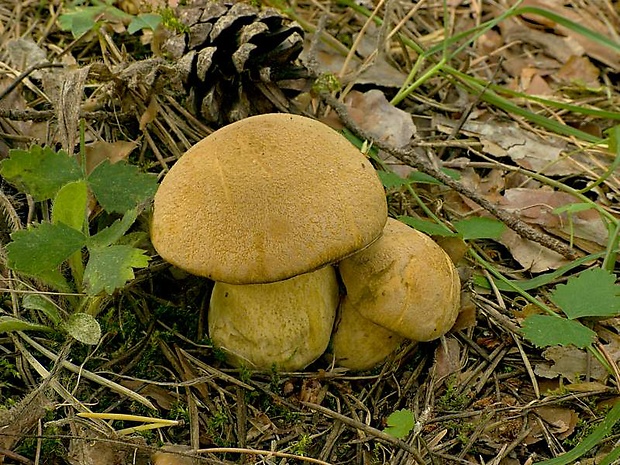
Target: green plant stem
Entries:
(491, 269)
(559, 186)
(611, 254)
(489, 93)
(76, 264)
(92, 305)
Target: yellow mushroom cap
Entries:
(404, 282)
(267, 198)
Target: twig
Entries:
(31, 69)
(412, 159)
(378, 434)
(45, 115)
(268, 453)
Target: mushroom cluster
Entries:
(255, 205)
(264, 207)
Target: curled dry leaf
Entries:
(112, 151)
(584, 17)
(447, 358)
(560, 421)
(535, 206)
(373, 112)
(570, 363)
(523, 147)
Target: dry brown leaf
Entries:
(559, 48)
(535, 206)
(447, 358)
(584, 18)
(374, 113)
(570, 363)
(86, 449)
(328, 60)
(164, 398)
(534, 84)
(149, 114)
(68, 104)
(312, 391)
(489, 187)
(561, 420)
(467, 313)
(112, 151)
(22, 417)
(523, 147)
(23, 53)
(531, 255)
(587, 386)
(15, 101)
(170, 455)
(262, 427)
(579, 70)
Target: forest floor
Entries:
(494, 128)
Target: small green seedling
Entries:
(100, 260)
(83, 17)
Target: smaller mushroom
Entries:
(358, 343)
(403, 282)
(286, 324)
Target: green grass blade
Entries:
(589, 442)
(538, 281)
(578, 28)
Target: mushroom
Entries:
(265, 199)
(406, 284)
(286, 324)
(260, 201)
(359, 344)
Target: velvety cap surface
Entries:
(404, 282)
(267, 198)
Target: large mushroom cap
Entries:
(267, 198)
(404, 282)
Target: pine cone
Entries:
(233, 57)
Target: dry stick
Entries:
(378, 434)
(267, 453)
(46, 115)
(412, 159)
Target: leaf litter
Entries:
(474, 395)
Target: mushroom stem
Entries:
(286, 325)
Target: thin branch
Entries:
(374, 432)
(412, 159)
(45, 115)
